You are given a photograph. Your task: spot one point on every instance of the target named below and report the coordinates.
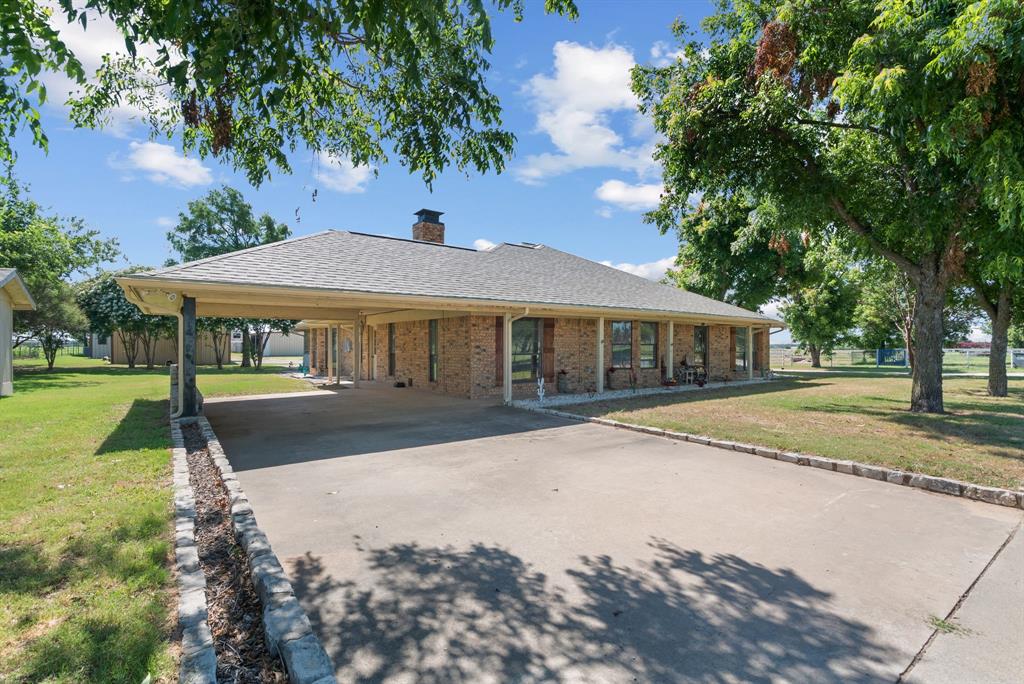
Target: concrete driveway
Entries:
(433, 539)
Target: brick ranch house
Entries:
(465, 322)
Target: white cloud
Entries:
(652, 270)
(482, 244)
(773, 309)
(574, 108)
(639, 197)
(341, 174)
(604, 212)
(165, 221)
(662, 54)
(162, 164)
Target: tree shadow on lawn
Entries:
(110, 635)
(997, 424)
(144, 426)
(34, 378)
(442, 614)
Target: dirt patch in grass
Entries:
(235, 613)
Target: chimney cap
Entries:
(429, 216)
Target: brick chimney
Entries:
(428, 226)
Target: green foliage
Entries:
(1016, 334)
(47, 251)
(221, 222)
(820, 311)
(252, 81)
(55, 317)
(729, 250)
(109, 312)
(29, 47)
(885, 309)
(900, 122)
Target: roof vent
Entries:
(428, 226)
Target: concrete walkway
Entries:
(984, 640)
(439, 540)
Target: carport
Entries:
(317, 308)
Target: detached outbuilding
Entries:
(465, 322)
(14, 296)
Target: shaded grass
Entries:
(86, 592)
(980, 439)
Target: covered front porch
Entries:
(469, 348)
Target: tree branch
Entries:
(905, 264)
(843, 124)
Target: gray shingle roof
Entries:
(530, 274)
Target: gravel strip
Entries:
(234, 610)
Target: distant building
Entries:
(14, 296)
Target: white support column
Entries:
(750, 352)
(357, 351)
(600, 354)
(670, 350)
(337, 352)
(506, 358)
(329, 350)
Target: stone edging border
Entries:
(286, 627)
(198, 663)
(941, 485)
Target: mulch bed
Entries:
(235, 614)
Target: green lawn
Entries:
(86, 594)
(865, 419)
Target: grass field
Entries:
(865, 419)
(85, 519)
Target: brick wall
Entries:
(467, 363)
(412, 349)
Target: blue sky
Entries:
(581, 176)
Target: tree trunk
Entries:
(50, 344)
(246, 347)
(815, 355)
(130, 344)
(930, 296)
(149, 341)
(260, 347)
(908, 344)
(997, 353)
(218, 346)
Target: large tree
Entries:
(47, 251)
(55, 319)
(820, 307)
(251, 81)
(895, 121)
(222, 221)
(995, 272)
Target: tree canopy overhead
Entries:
(251, 81)
(898, 122)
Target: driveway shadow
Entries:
(481, 613)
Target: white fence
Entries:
(953, 360)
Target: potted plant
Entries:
(562, 381)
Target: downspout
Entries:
(181, 363)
